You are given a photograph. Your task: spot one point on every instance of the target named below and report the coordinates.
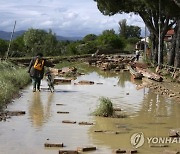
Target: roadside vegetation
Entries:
(12, 78)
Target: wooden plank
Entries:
(68, 122)
(53, 144)
(83, 149)
(149, 75)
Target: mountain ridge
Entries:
(7, 35)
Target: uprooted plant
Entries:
(105, 109)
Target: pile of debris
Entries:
(65, 72)
(110, 63)
(173, 72)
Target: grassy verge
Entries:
(12, 78)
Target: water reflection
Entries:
(154, 117)
(123, 78)
(40, 109)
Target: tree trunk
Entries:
(171, 57)
(161, 49)
(177, 49)
(155, 57)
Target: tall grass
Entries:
(105, 108)
(12, 78)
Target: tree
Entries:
(127, 31)
(123, 28)
(90, 37)
(170, 9)
(50, 44)
(37, 40)
(109, 40)
(133, 32)
(3, 47)
(148, 11)
(17, 47)
(71, 48)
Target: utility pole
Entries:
(10, 40)
(159, 45)
(145, 46)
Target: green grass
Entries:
(12, 78)
(105, 108)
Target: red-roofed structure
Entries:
(169, 35)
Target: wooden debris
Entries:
(15, 113)
(85, 123)
(120, 151)
(83, 149)
(68, 122)
(62, 112)
(126, 151)
(59, 104)
(149, 75)
(131, 151)
(68, 152)
(53, 144)
(134, 73)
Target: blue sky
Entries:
(64, 17)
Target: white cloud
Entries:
(64, 17)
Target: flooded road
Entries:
(146, 112)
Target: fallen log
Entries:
(149, 75)
(134, 73)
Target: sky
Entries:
(71, 18)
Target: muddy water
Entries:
(146, 112)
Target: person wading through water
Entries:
(36, 71)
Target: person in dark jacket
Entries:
(36, 70)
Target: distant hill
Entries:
(7, 35)
(63, 38)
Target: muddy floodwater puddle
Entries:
(147, 112)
